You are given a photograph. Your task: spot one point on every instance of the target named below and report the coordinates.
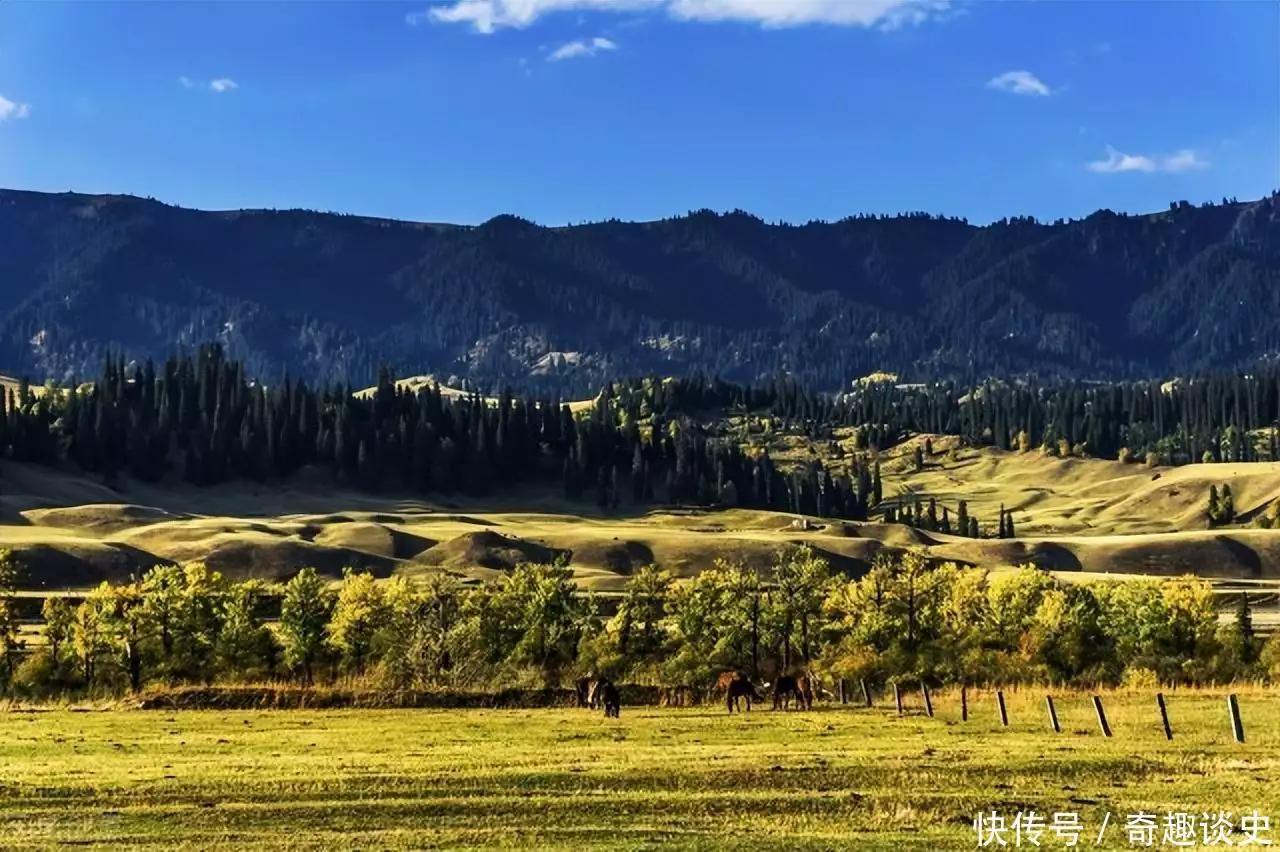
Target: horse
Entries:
(582, 691)
(799, 687)
(609, 697)
(739, 686)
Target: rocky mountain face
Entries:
(332, 297)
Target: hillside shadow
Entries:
(1053, 557)
(1245, 555)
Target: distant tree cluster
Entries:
(906, 619)
(201, 420)
(1222, 506)
(643, 442)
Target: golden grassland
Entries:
(1079, 517)
(831, 778)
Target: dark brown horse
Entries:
(609, 697)
(739, 686)
(799, 687)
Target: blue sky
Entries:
(570, 110)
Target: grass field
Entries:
(694, 778)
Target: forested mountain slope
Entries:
(331, 297)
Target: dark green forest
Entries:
(330, 299)
(203, 420)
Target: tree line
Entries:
(200, 418)
(906, 619)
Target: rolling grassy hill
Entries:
(1078, 516)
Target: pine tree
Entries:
(1244, 631)
(962, 518)
(1214, 509)
(1227, 506)
(1004, 530)
(1008, 526)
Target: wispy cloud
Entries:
(1019, 83)
(487, 16)
(582, 47)
(1185, 160)
(219, 85)
(13, 110)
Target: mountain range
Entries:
(330, 297)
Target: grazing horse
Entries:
(799, 687)
(739, 686)
(582, 691)
(609, 697)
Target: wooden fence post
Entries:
(928, 705)
(1053, 714)
(964, 704)
(866, 693)
(1102, 716)
(897, 697)
(1164, 716)
(1237, 727)
(1004, 713)
(840, 691)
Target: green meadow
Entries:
(831, 778)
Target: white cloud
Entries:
(486, 16)
(11, 110)
(1018, 83)
(1183, 161)
(794, 13)
(220, 85)
(582, 47)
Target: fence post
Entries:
(1053, 714)
(1102, 716)
(1004, 713)
(840, 691)
(1164, 716)
(866, 693)
(1237, 727)
(964, 704)
(928, 705)
(897, 697)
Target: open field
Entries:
(690, 779)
